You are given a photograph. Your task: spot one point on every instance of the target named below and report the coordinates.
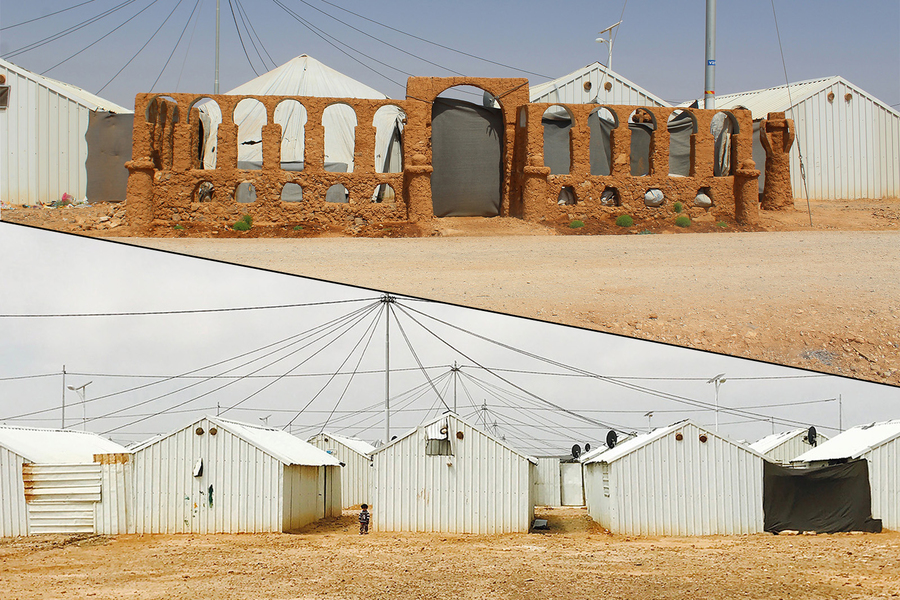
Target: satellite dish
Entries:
(576, 451)
(587, 447)
(811, 436)
(611, 439)
(488, 100)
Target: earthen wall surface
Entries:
(166, 172)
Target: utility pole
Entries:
(840, 413)
(387, 300)
(709, 93)
(218, 22)
(455, 370)
(63, 412)
(609, 41)
(718, 380)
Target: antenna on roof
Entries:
(811, 436)
(611, 439)
(576, 451)
(608, 40)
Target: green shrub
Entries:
(646, 232)
(248, 220)
(683, 221)
(298, 227)
(624, 221)
(179, 227)
(241, 226)
(722, 224)
(677, 207)
(576, 224)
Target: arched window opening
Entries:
(384, 193)
(601, 122)
(245, 193)
(162, 114)
(642, 125)
(204, 117)
(204, 192)
(291, 115)
(557, 123)
(337, 194)
(567, 196)
(722, 127)
(681, 125)
(340, 122)
(292, 192)
(250, 117)
(704, 198)
(610, 197)
(389, 122)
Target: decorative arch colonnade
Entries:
(173, 178)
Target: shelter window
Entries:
(4, 96)
(438, 448)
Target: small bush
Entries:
(683, 221)
(241, 226)
(722, 224)
(624, 221)
(179, 228)
(576, 224)
(248, 220)
(646, 232)
(298, 227)
(678, 207)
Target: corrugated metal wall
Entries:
(573, 92)
(572, 484)
(687, 487)
(884, 480)
(485, 488)
(114, 514)
(355, 474)
(596, 492)
(13, 512)
(851, 149)
(546, 482)
(61, 498)
(42, 143)
(239, 491)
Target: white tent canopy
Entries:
(305, 76)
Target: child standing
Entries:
(364, 520)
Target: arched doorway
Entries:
(467, 153)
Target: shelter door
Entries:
(467, 159)
(572, 484)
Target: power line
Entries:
(182, 312)
(248, 27)
(175, 47)
(238, 29)
(44, 16)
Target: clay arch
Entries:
(601, 123)
(723, 127)
(557, 123)
(204, 115)
(642, 123)
(292, 117)
(339, 120)
(681, 125)
(161, 114)
(250, 116)
(389, 121)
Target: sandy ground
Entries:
(824, 297)
(574, 559)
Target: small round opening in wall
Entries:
(587, 86)
(607, 86)
(830, 96)
(459, 435)
(848, 96)
(2, 79)
(679, 436)
(213, 431)
(199, 431)
(703, 437)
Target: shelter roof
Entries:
(56, 446)
(82, 97)
(770, 442)
(306, 76)
(636, 443)
(597, 74)
(283, 446)
(355, 444)
(854, 442)
(436, 421)
(781, 98)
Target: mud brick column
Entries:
(139, 194)
(534, 189)
(417, 177)
(271, 147)
(777, 136)
(746, 193)
(181, 151)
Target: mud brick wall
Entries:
(166, 172)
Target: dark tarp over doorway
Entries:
(825, 499)
(466, 156)
(109, 148)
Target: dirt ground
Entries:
(824, 297)
(574, 559)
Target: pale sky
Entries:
(659, 46)
(44, 272)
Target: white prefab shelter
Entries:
(786, 446)
(879, 444)
(43, 124)
(850, 140)
(305, 76)
(357, 466)
(589, 86)
(677, 480)
(547, 482)
(221, 476)
(448, 476)
(49, 480)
